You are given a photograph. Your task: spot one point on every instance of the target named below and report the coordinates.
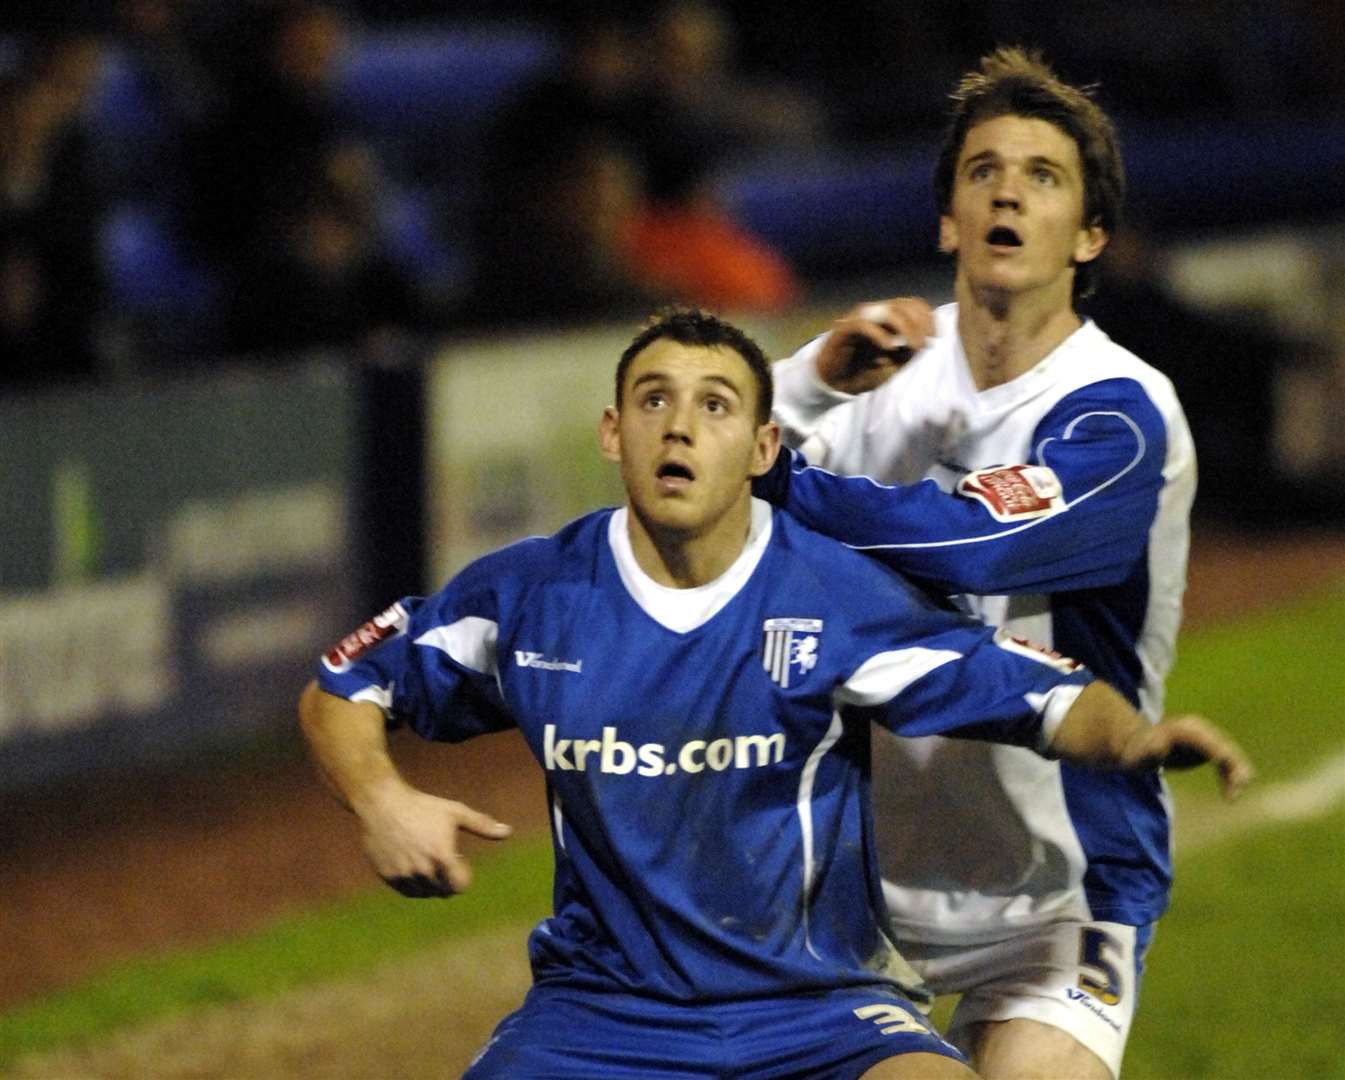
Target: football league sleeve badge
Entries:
(789, 649)
(354, 645)
(1014, 492)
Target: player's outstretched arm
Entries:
(1077, 515)
(1103, 730)
(410, 836)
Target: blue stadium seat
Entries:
(11, 54)
(425, 99)
(131, 129)
(122, 103)
(438, 81)
(412, 237)
(837, 212)
(152, 280)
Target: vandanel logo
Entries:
(536, 660)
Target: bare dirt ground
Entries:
(92, 877)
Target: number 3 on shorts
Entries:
(1099, 976)
(892, 1019)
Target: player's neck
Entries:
(1005, 335)
(684, 560)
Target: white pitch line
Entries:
(1205, 823)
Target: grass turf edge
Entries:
(510, 885)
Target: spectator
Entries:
(285, 201)
(323, 284)
(161, 38)
(704, 109)
(553, 244)
(686, 246)
(704, 115)
(275, 133)
(50, 286)
(597, 196)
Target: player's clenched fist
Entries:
(872, 341)
(411, 840)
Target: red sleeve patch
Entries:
(1033, 651)
(377, 630)
(1014, 492)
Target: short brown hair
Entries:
(1013, 81)
(692, 326)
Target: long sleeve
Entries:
(931, 671)
(802, 399)
(1075, 514)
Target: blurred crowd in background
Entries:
(194, 179)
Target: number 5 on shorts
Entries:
(1099, 976)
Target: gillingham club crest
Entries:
(789, 649)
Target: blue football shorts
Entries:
(561, 1033)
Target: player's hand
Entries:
(411, 840)
(1181, 742)
(872, 341)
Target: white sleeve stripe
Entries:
(376, 695)
(470, 642)
(1141, 449)
(1052, 707)
(883, 676)
(558, 821)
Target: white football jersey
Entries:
(1055, 505)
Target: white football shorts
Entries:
(1081, 977)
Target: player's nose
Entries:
(679, 423)
(1006, 193)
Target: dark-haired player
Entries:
(696, 675)
(1023, 461)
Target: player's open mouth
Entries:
(1003, 236)
(673, 475)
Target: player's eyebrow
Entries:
(724, 381)
(648, 377)
(1049, 162)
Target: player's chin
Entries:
(1004, 268)
(1005, 280)
(677, 512)
(682, 515)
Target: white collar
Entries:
(682, 610)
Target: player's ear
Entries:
(1090, 242)
(609, 434)
(947, 235)
(766, 448)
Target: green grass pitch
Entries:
(1244, 975)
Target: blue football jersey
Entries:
(706, 750)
